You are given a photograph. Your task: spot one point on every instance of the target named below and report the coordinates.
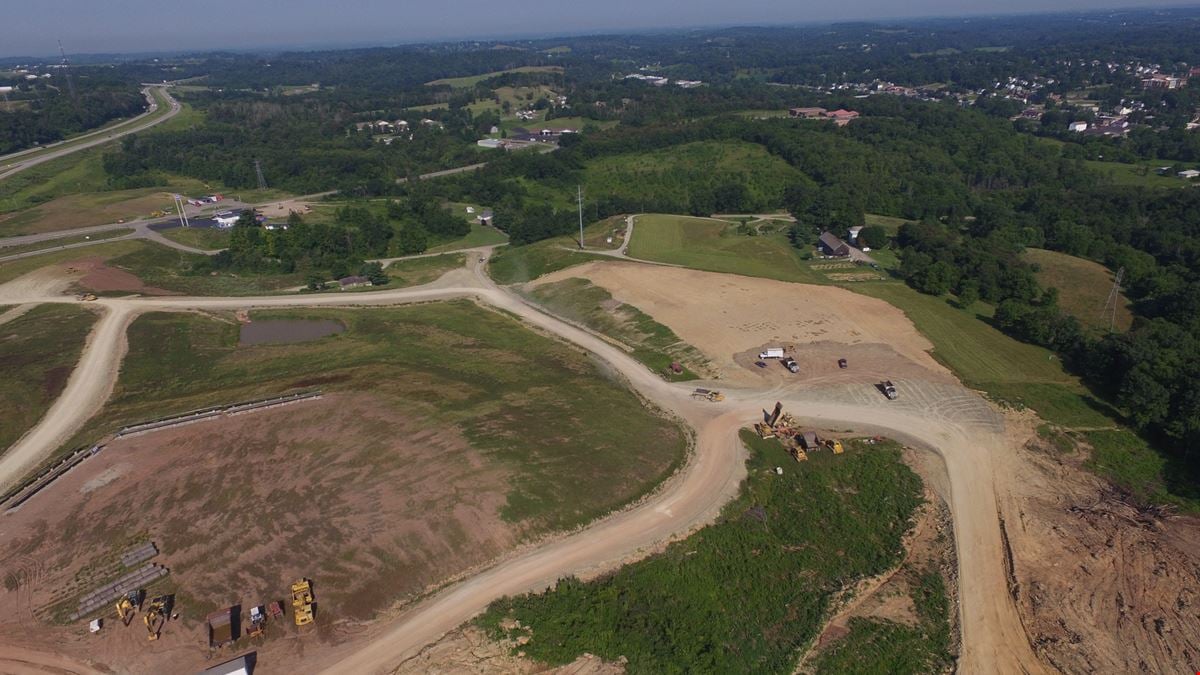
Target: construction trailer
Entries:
(223, 626)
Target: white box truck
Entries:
(772, 353)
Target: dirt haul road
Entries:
(941, 417)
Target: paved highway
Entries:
(19, 161)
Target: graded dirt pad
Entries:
(284, 208)
(344, 490)
(1102, 585)
(98, 277)
(729, 317)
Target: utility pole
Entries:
(67, 72)
(262, 182)
(579, 198)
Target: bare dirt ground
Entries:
(1101, 585)
(99, 277)
(369, 503)
(283, 208)
(735, 317)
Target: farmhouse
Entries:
(807, 113)
(353, 282)
(831, 245)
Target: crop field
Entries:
(744, 594)
(650, 342)
(38, 351)
(1083, 288)
(472, 80)
(673, 174)
(713, 245)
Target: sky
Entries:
(131, 26)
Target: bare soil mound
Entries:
(99, 277)
(725, 315)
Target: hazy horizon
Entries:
(145, 26)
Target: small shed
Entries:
(485, 218)
(808, 440)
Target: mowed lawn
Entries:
(207, 238)
(38, 352)
(577, 443)
(1083, 288)
(714, 245)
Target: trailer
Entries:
(221, 628)
(772, 353)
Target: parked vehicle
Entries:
(772, 353)
(790, 363)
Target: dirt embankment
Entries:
(368, 503)
(1102, 585)
(734, 317)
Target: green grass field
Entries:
(207, 238)
(518, 264)
(713, 245)
(674, 173)
(650, 342)
(472, 80)
(419, 271)
(889, 223)
(38, 351)
(1140, 175)
(572, 458)
(13, 269)
(1083, 288)
(53, 244)
(745, 594)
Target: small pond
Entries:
(286, 331)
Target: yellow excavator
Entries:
(127, 606)
(302, 601)
(156, 616)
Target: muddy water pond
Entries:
(287, 331)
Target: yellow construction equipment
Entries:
(835, 445)
(125, 610)
(128, 605)
(708, 395)
(156, 616)
(302, 601)
(86, 297)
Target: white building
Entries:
(1078, 127)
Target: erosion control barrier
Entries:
(23, 492)
(215, 411)
(104, 595)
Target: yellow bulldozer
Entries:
(708, 395)
(835, 445)
(302, 601)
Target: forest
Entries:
(47, 114)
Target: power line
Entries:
(262, 182)
(1114, 295)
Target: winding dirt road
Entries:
(944, 418)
